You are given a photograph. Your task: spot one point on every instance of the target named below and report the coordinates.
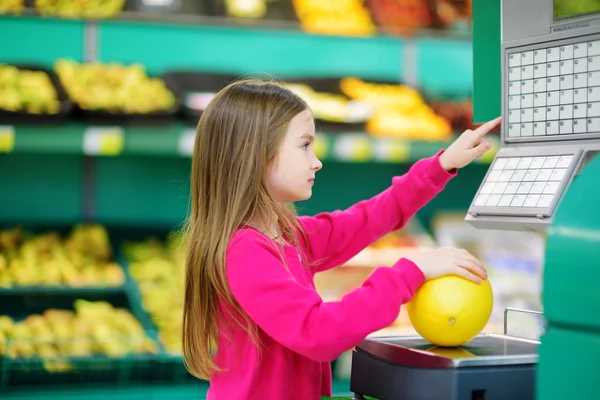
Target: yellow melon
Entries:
(450, 311)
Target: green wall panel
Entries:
(39, 40)
(284, 53)
(44, 190)
(487, 68)
(445, 66)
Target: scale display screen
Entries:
(564, 9)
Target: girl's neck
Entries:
(267, 226)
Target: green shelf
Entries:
(59, 290)
(176, 140)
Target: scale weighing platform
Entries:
(550, 131)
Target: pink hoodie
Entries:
(300, 334)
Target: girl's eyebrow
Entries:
(307, 136)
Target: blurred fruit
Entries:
(450, 311)
(11, 6)
(158, 268)
(28, 91)
(95, 328)
(81, 259)
(80, 8)
(402, 17)
(399, 111)
(459, 113)
(335, 17)
(246, 8)
(114, 87)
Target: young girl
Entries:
(249, 297)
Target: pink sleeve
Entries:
(297, 317)
(334, 238)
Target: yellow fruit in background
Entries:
(450, 311)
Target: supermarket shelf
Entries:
(177, 141)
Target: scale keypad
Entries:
(519, 182)
(554, 91)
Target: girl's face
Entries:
(292, 175)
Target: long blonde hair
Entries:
(237, 139)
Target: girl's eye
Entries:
(305, 145)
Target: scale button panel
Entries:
(553, 91)
(527, 185)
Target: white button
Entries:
(499, 163)
(566, 52)
(593, 94)
(518, 200)
(551, 187)
(566, 111)
(527, 86)
(594, 78)
(530, 175)
(537, 188)
(514, 60)
(486, 188)
(493, 200)
(552, 69)
(593, 109)
(539, 100)
(580, 65)
(527, 72)
(525, 163)
(527, 58)
(527, 101)
(552, 128)
(552, 54)
(518, 175)
(593, 48)
(526, 128)
(579, 111)
(566, 67)
(580, 50)
(505, 175)
(514, 130)
(532, 200)
(512, 188)
(544, 175)
(565, 127)
(580, 81)
(499, 187)
(493, 176)
(593, 124)
(551, 162)
(552, 83)
(552, 98)
(552, 113)
(505, 200)
(539, 71)
(524, 188)
(526, 116)
(539, 85)
(566, 82)
(539, 128)
(514, 74)
(545, 200)
(513, 162)
(481, 199)
(514, 88)
(594, 63)
(539, 56)
(514, 116)
(566, 96)
(514, 102)
(580, 125)
(538, 162)
(539, 115)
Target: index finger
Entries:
(487, 127)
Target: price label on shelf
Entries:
(185, 146)
(7, 138)
(353, 147)
(391, 150)
(103, 141)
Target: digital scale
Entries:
(540, 180)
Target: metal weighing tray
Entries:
(490, 367)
